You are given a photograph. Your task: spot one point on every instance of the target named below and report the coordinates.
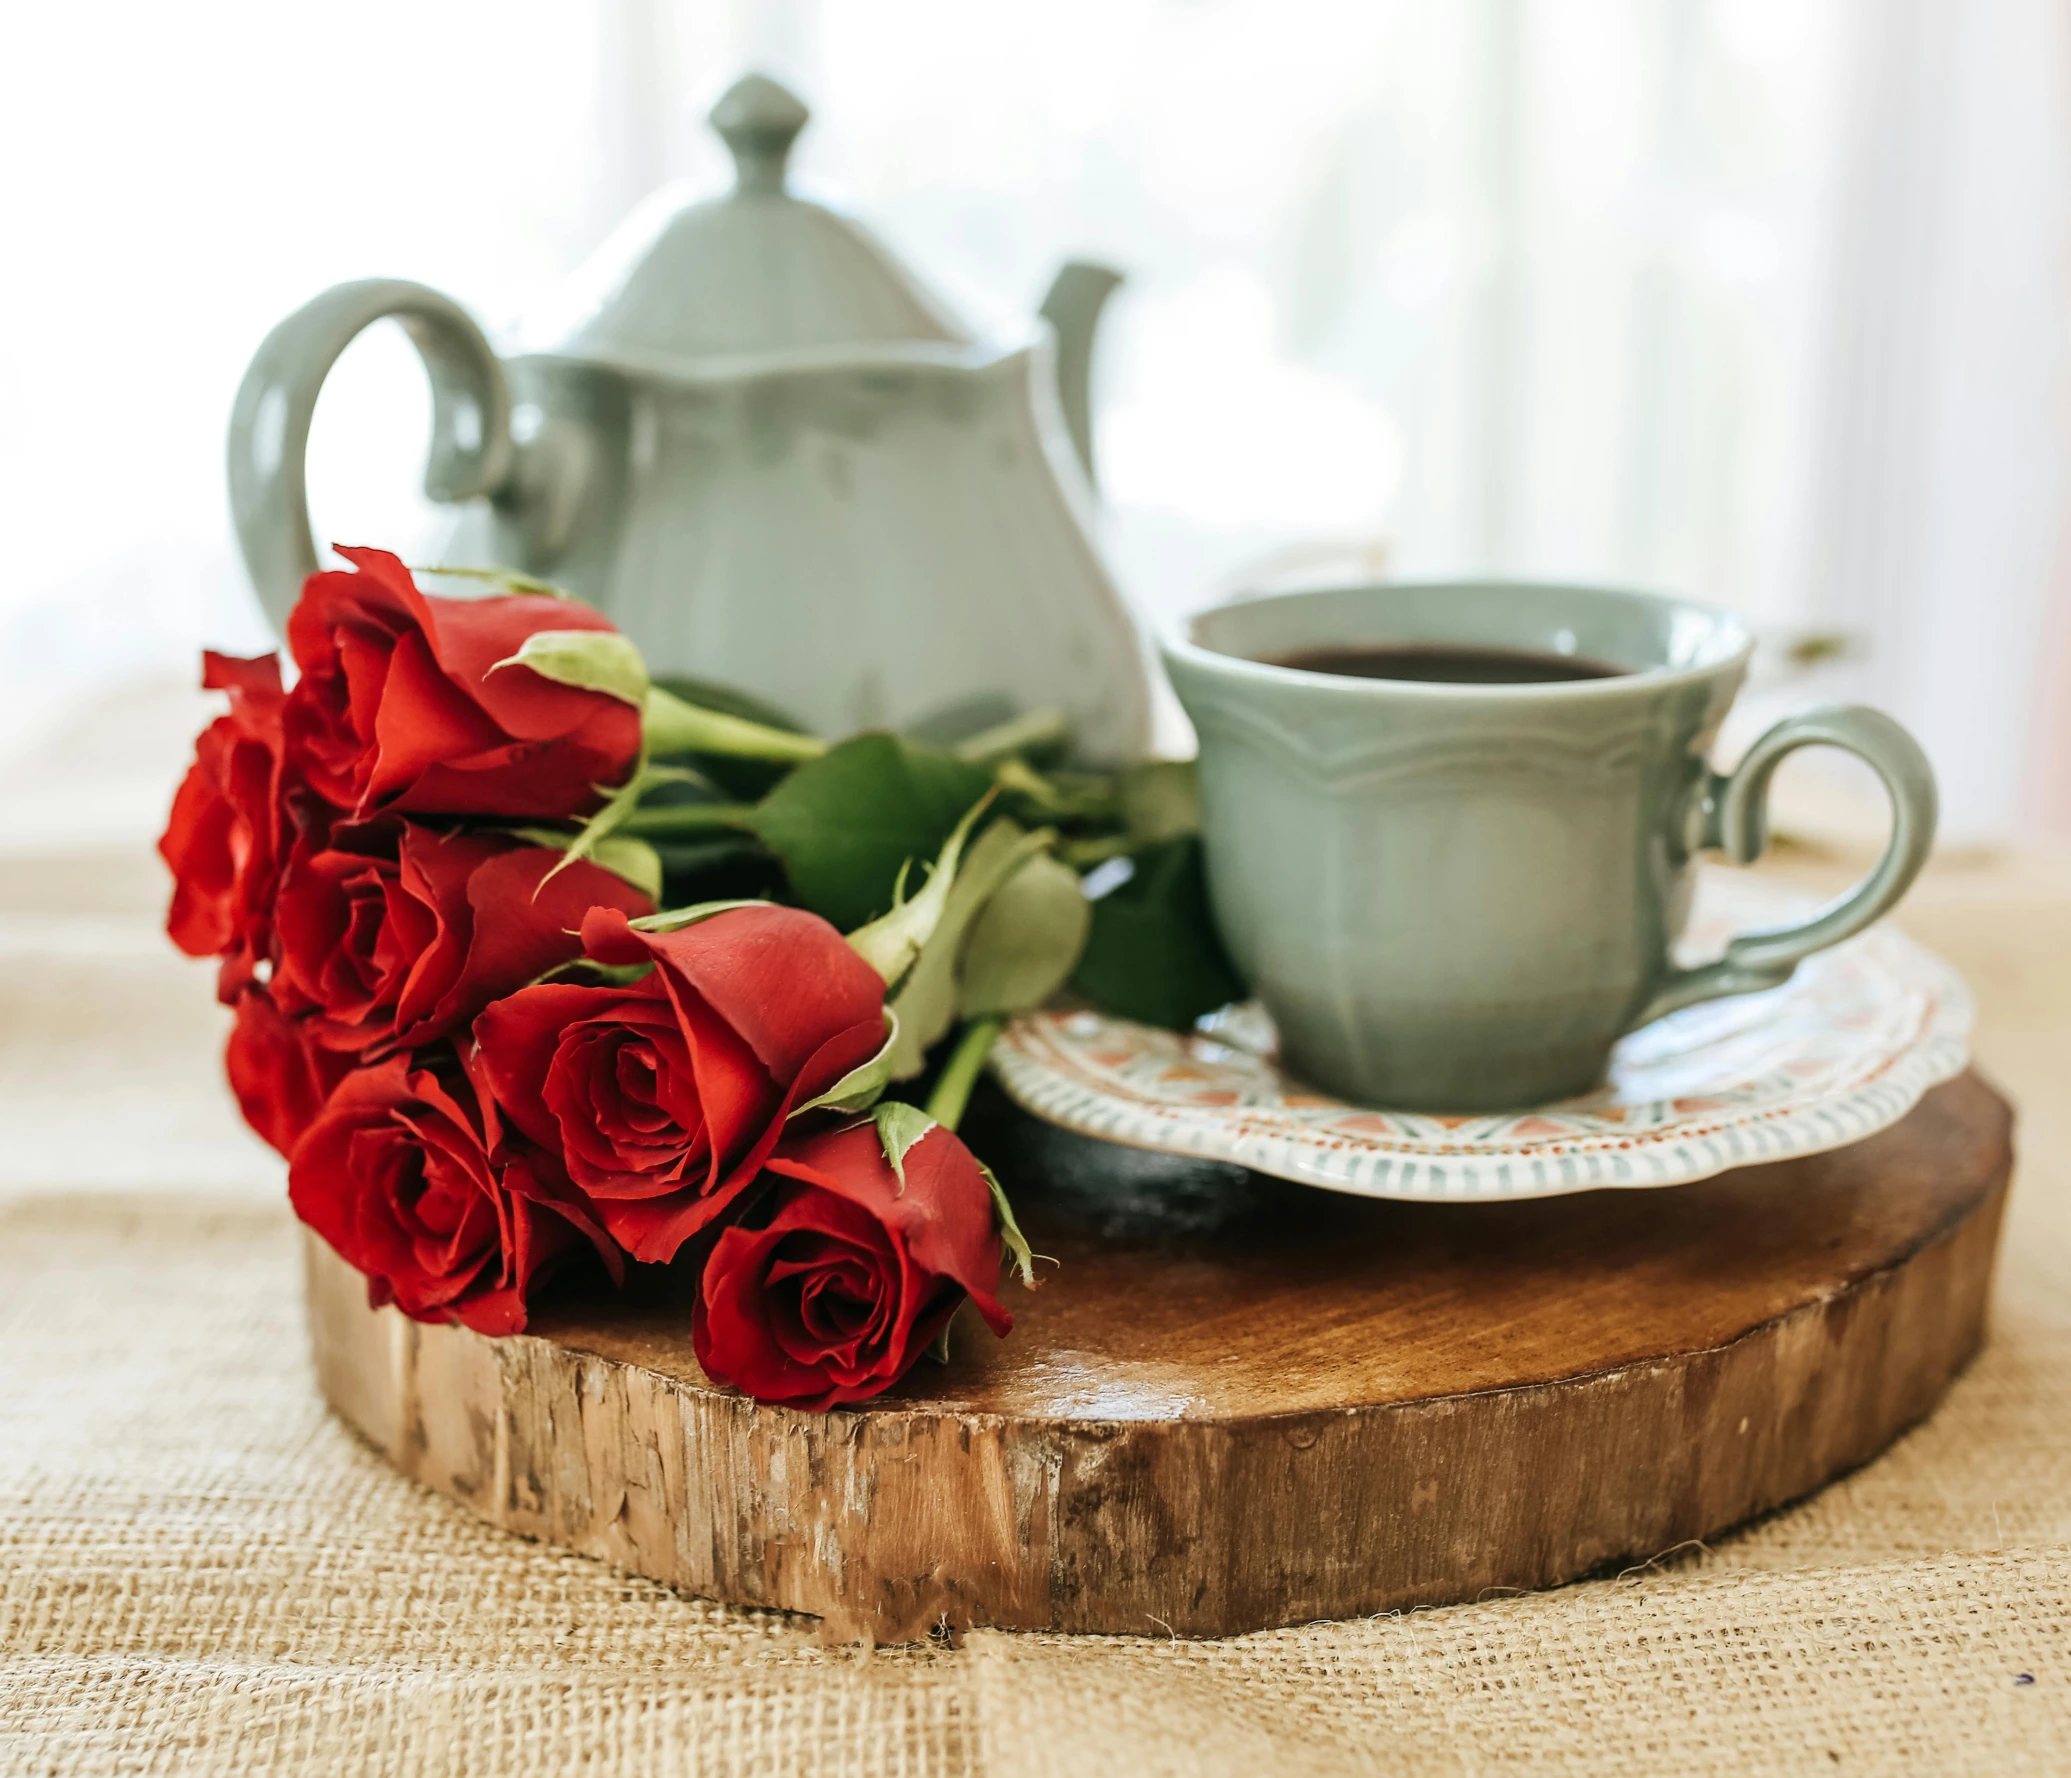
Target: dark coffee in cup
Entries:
(1451, 666)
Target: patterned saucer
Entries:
(1843, 1049)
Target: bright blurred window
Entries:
(1659, 293)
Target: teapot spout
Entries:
(1077, 295)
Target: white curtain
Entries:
(1765, 300)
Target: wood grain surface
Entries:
(1239, 1403)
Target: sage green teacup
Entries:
(1458, 896)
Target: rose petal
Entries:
(279, 1078)
(942, 1217)
(781, 977)
(471, 638)
(507, 914)
(398, 706)
(425, 722)
(404, 1175)
(838, 1277)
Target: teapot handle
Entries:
(269, 424)
(1077, 295)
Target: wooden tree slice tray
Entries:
(1240, 1402)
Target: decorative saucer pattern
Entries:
(1843, 1049)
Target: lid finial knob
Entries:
(758, 120)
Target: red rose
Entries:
(403, 705)
(223, 840)
(281, 1079)
(396, 934)
(663, 1098)
(406, 1175)
(839, 1276)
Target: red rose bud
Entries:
(840, 1276)
(395, 934)
(281, 1079)
(663, 1098)
(406, 1175)
(405, 702)
(223, 840)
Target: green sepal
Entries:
(675, 919)
(606, 975)
(620, 803)
(620, 975)
(509, 579)
(927, 997)
(1021, 1257)
(892, 943)
(670, 725)
(631, 860)
(899, 1127)
(590, 660)
(862, 1087)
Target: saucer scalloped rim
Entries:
(1842, 1050)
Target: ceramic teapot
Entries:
(767, 453)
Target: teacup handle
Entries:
(1736, 822)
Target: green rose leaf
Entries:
(845, 825)
(1026, 940)
(1153, 953)
(593, 660)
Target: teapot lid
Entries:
(758, 271)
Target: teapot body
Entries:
(767, 453)
(864, 541)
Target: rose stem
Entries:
(660, 819)
(953, 1091)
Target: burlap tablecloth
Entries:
(201, 1570)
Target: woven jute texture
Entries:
(202, 1571)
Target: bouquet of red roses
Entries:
(534, 961)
